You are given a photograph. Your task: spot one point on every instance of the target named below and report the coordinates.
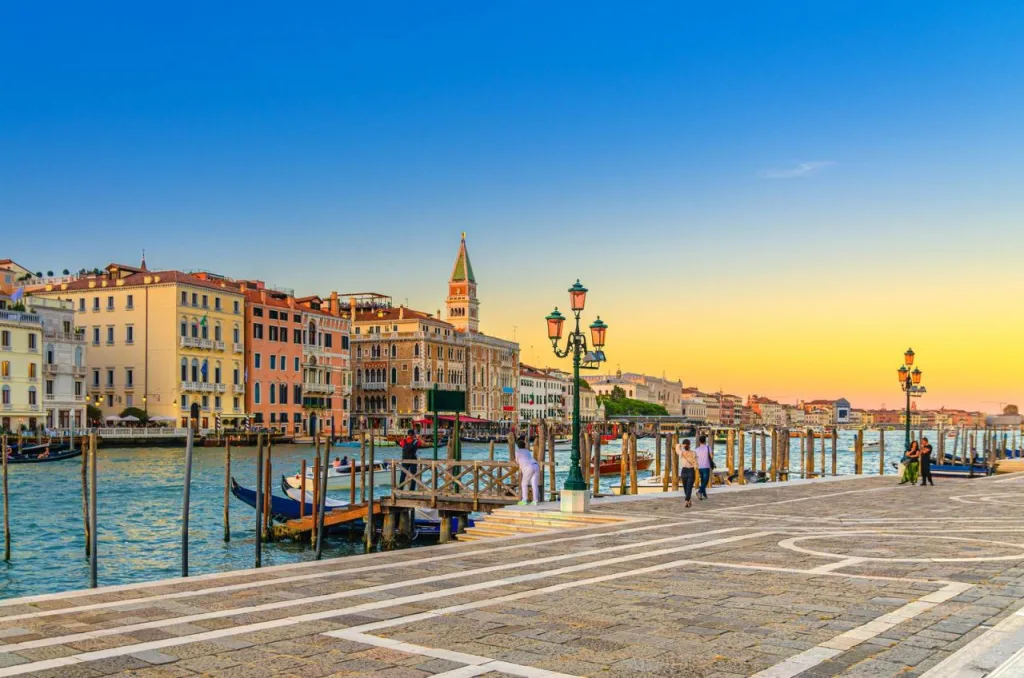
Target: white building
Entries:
(64, 363)
(544, 394)
(695, 410)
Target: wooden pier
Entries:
(301, 528)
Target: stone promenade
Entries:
(851, 577)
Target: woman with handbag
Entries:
(705, 462)
(687, 468)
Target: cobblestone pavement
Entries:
(856, 577)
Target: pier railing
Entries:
(449, 481)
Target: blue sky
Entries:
(345, 145)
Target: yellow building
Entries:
(160, 341)
(21, 336)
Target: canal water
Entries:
(139, 512)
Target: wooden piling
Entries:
(634, 489)
(446, 528)
(810, 453)
(85, 492)
(316, 495)
(742, 458)
(859, 460)
(7, 508)
(675, 461)
(623, 460)
(667, 475)
(730, 462)
(93, 527)
(764, 454)
(268, 491)
(259, 501)
(881, 451)
(362, 466)
(490, 451)
(539, 451)
(186, 501)
(369, 501)
(597, 464)
(835, 453)
(302, 490)
(657, 453)
(351, 482)
(227, 490)
(387, 534)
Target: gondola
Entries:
(37, 454)
(282, 508)
(341, 479)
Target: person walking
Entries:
(410, 445)
(529, 472)
(926, 463)
(705, 462)
(687, 468)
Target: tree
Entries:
(618, 393)
(49, 274)
(136, 412)
(66, 272)
(39, 274)
(625, 407)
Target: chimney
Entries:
(291, 301)
(263, 295)
(244, 287)
(401, 312)
(335, 310)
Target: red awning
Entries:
(463, 419)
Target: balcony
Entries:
(196, 342)
(66, 337)
(239, 388)
(318, 388)
(78, 370)
(49, 396)
(79, 398)
(50, 368)
(219, 345)
(20, 317)
(313, 349)
(8, 407)
(237, 348)
(221, 388)
(422, 385)
(374, 386)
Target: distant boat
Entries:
(613, 465)
(45, 452)
(341, 479)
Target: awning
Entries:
(463, 419)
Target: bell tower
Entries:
(462, 306)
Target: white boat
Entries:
(874, 446)
(329, 503)
(341, 478)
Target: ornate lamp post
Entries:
(575, 496)
(910, 382)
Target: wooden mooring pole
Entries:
(85, 493)
(185, 501)
(369, 501)
(881, 451)
(597, 464)
(93, 559)
(7, 508)
(259, 501)
(227, 489)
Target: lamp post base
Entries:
(575, 501)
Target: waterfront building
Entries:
(397, 356)
(492, 363)
(591, 409)
(64, 363)
(605, 384)
(655, 390)
(532, 394)
(21, 338)
(839, 410)
(818, 417)
(160, 341)
(296, 374)
(695, 410)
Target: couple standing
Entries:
(694, 463)
(918, 459)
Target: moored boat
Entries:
(613, 465)
(283, 508)
(341, 478)
(44, 452)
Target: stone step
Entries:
(526, 522)
(563, 517)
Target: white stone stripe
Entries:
(848, 562)
(467, 551)
(475, 664)
(850, 639)
(987, 652)
(262, 583)
(155, 645)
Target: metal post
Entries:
(575, 479)
(185, 502)
(908, 385)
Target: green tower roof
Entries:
(463, 269)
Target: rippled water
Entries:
(139, 507)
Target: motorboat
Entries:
(340, 478)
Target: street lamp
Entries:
(910, 382)
(574, 495)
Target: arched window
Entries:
(195, 329)
(205, 371)
(216, 373)
(394, 375)
(359, 403)
(311, 335)
(416, 374)
(256, 393)
(51, 356)
(416, 350)
(234, 334)
(216, 332)
(5, 395)
(195, 370)
(394, 351)
(205, 330)
(32, 395)
(394, 402)
(184, 369)
(184, 327)
(79, 356)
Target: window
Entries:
(236, 312)
(109, 400)
(234, 376)
(257, 311)
(394, 351)
(184, 302)
(206, 402)
(273, 395)
(81, 304)
(205, 371)
(110, 336)
(5, 369)
(95, 303)
(328, 340)
(129, 400)
(206, 301)
(194, 370)
(184, 327)
(78, 389)
(32, 371)
(297, 367)
(296, 336)
(234, 334)
(50, 354)
(110, 303)
(129, 335)
(256, 393)
(129, 302)
(344, 344)
(184, 369)
(256, 360)
(297, 393)
(273, 362)
(216, 374)
(96, 378)
(216, 306)
(195, 299)
(32, 396)
(235, 401)
(283, 394)
(5, 395)
(416, 350)
(33, 343)
(272, 330)
(273, 416)
(110, 378)
(216, 333)
(216, 402)
(95, 336)
(257, 331)
(283, 363)
(394, 375)
(273, 315)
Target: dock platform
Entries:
(301, 528)
(850, 577)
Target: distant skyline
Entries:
(772, 198)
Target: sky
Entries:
(764, 197)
